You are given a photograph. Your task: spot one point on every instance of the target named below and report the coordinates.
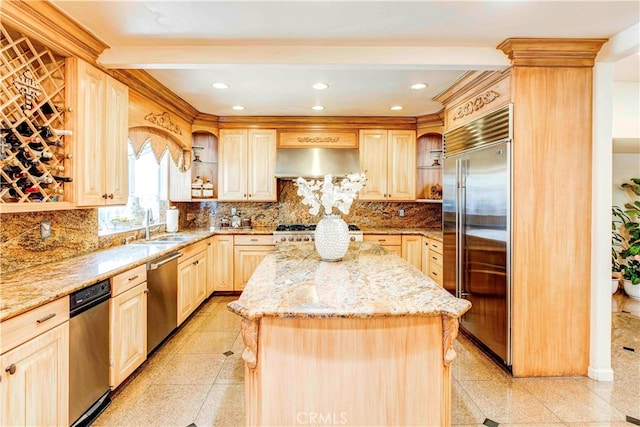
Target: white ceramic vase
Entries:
(615, 283)
(632, 290)
(332, 238)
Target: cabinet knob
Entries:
(249, 195)
(111, 196)
(244, 195)
(104, 196)
(146, 291)
(11, 369)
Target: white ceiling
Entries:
(270, 53)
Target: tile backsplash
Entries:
(75, 232)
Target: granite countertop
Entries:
(23, 290)
(432, 234)
(292, 281)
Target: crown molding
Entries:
(310, 123)
(551, 52)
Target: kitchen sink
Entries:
(171, 238)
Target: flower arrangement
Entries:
(324, 193)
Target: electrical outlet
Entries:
(400, 212)
(45, 229)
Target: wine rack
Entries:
(32, 150)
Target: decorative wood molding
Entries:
(44, 22)
(206, 123)
(552, 52)
(250, 338)
(472, 82)
(449, 334)
(143, 83)
(318, 139)
(320, 124)
(476, 105)
(164, 121)
(431, 123)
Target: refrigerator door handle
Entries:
(458, 228)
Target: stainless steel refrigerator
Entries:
(477, 227)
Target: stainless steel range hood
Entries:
(316, 162)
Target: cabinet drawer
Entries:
(383, 239)
(435, 246)
(22, 328)
(435, 258)
(261, 239)
(192, 250)
(435, 272)
(128, 279)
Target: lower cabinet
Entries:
(412, 250)
(223, 263)
(34, 382)
(425, 255)
(435, 261)
(128, 343)
(248, 252)
(390, 242)
(192, 286)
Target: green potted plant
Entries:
(626, 240)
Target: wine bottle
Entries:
(62, 178)
(25, 182)
(26, 155)
(29, 190)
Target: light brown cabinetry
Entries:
(100, 124)
(205, 166)
(247, 165)
(388, 157)
(128, 324)
(192, 277)
(412, 250)
(34, 381)
(248, 252)
(209, 288)
(429, 170)
(223, 263)
(392, 243)
(435, 261)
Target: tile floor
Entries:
(189, 380)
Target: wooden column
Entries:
(551, 89)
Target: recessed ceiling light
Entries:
(220, 85)
(419, 86)
(320, 86)
(238, 107)
(317, 107)
(396, 108)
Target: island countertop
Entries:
(292, 281)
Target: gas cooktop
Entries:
(289, 228)
(306, 233)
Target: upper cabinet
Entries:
(100, 125)
(388, 157)
(200, 182)
(247, 159)
(429, 168)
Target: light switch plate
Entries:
(400, 212)
(45, 229)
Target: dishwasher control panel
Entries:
(89, 295)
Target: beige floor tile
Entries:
(623, 394)
(534, 425)
(224, 406)
(167, 405)
(173, 344)
(123, 399)
(238, 345)
(463, 409)
(220, 321)
(606, 424)
(187, 368)
(570, 400)
(507, 402)
(232, 371)
(209, 342)
(472, 365)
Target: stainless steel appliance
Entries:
(162, 299)
(476, 212)
(89, 353)
(306, 233)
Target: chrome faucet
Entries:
(147, 222)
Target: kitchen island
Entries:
(365, 341)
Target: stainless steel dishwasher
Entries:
(162, 300)
(89, 353)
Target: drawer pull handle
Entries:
(11, 369)
(434, 273)
(134, 277)
(434, 258)
(382, 240)
(45, 318)
(254, 240)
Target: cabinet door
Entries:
(88, 140)
(401, 165)
(412, 250)
(246, 259)
(425, 255)
(128, 343)
(394, 249)
(262, 165)
(223, 263)
(37, 393)
(373, 161)
(200, 279)
(232, 168)
(116, 140)
(210, 268)
(186, 286)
